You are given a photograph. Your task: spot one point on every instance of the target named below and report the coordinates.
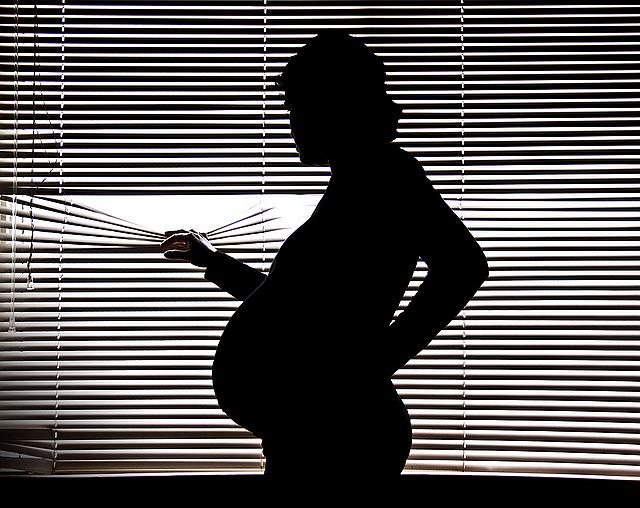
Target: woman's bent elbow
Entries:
(469, 270)
(476, 271)
(481, 270)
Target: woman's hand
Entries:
(229, 274)
(189, 246)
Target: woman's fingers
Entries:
(182, 255)
(187, 245)
(181, 239)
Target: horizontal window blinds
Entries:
(157, 97)
(525, 119)
(550, 343)
(109, 366)
(113, 346)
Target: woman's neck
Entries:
(357, 160)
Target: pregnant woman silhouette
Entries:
(306, 360)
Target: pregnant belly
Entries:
(258, 356)
(279, 358)
(240, 368)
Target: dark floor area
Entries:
(227, 490)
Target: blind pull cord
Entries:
(14, 202)
(30, 284)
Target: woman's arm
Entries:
(457, 269)
(233, 276)
(229, 274)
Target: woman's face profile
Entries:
(323, 128)
(310, 128)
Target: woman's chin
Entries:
(309, 158)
